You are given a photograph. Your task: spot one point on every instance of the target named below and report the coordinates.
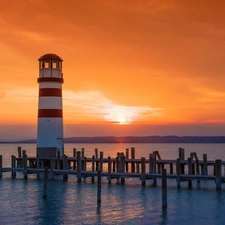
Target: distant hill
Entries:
(139, 139)
(147, 139)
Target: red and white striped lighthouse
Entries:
(50, 112)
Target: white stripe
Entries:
(50, 85)
(50, 103)
(50, 132)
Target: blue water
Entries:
(72, 203)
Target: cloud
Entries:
(93, 103)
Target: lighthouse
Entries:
(50, 111)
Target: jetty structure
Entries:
(50, 109)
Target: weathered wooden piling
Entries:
(0, 165)
(101, 161)
(24, 164)
(45, 182)
(132, 157)
(99, 187)
(93, 168)
(19, 151)
(109, 170)
(13, 165)
(218, 173)
(190, 171)
(178, 170)
(143, 177)
(122, 167)
(65, 167)
(181, 157)
(96, 156)
(164, 188)
(74, 155)
(205, 168)
(82, 156)
(127, 157)
(78, 167)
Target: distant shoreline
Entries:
(136, 139)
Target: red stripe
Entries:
(50, 92)
(50, 79)
(50, 113)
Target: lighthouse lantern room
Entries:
(50, 111)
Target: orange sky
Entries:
(152, 64)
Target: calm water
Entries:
(71, 203)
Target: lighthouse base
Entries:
(46, 153)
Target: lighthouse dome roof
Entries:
(50, 56)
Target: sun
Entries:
(121, 119)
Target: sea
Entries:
(69, 202)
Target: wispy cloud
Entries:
(95, 103)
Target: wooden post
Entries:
(82, 158)
(143, 178)
(178, 172)
(99, 187)
(96, 157)
(74, 155)
(114, 166)
(171, 168)
(0, 165)
(117, 164)
(127, 157)
(122, 166)
(164, 189)
(132, 157)
(109, 169)
(205, 165)
(150, 163)
(117, 167)
(189, 171)
(154, 162)
(25, 165)
(101, 161)
(45, 182)
(13, 165)
(65, 167)
(197, 167)
(82, 152)
(78, 167)
(181, 157)
(218, 164)
(19, 151)
(93, 168)
(58, 160)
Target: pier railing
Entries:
(121, 167)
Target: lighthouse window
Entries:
(46, 64)
(60, 65)
(54, 64)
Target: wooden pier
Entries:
(120, 168)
